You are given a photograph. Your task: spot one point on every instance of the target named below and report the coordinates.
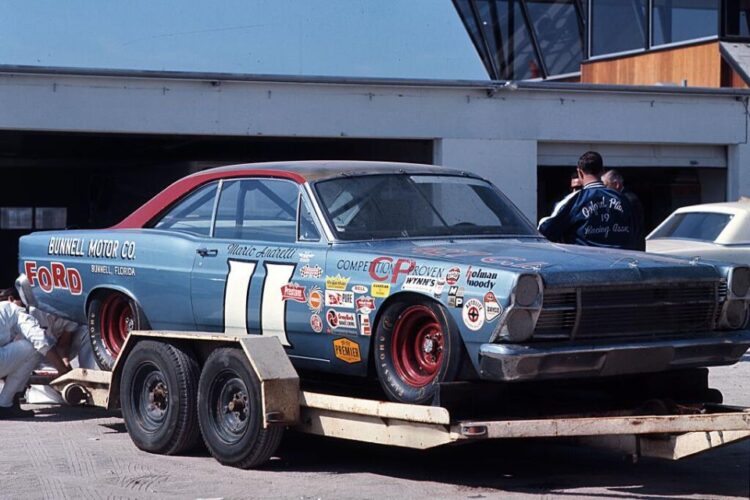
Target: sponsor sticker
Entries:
(293, 291)
(316, 323)
(480, 278)
(365, 304)
(473, 314)
(56, 276)
(308, 271)
(315, 299)
(337, 282)
(453, 275)
(341, 319)
(359, 289)
(335, 298)
(439, 287)
(347, 351)
(420, 284)
(364, 325)
(306, 256)
(380, 290)
(492, 308)
(455, 296)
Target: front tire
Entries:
(111, 318)
(231, 414)
(158, 395)
(417, 346)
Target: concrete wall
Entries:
(493, 133)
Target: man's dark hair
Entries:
(591, 163)
(615, 176)
(573, 175)
(6, 293)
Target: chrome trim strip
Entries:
(319, 213)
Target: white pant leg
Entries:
(17, 360)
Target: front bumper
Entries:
(513, 362)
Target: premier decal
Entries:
(480, 278)
(337, 298)
(364, 325)
(453, 275)
(347, 351)
(293, 291)
(315, 299)
(316, 323)
(473, 314)
(314, 272)
(359, 289)
(56, 276)
(337, 282)
(492, 308)
(455, 297)
(380, 290)
(365, 304)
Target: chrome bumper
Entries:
(513, 362)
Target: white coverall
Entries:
(55, 326)
(22, 344)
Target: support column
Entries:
(738, 171)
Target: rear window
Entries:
(705, 226)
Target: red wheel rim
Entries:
(417, 346)
(116, 321)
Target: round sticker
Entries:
(473, 314)
(315, 299)
(332, 318)
(316, 323)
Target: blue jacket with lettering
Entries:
(594, 216)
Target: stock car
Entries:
(418, 274)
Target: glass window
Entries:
(737, 18)
(307, 229)
(695, 226)
(192, 214)
(16, 217)
(50, 217)
(257, 209)
(617, 26)
(403, 206)
(680, 20)
(558, 31)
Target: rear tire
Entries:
(111, 318)
(230, 411)
(158, 395)
(416, 347)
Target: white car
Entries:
(718, 231)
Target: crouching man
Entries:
(23, 344)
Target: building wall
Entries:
(493, 130)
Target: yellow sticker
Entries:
(346, 350)
(380, 290)
(337, 282)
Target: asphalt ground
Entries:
(86, 453)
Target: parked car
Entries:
(719, 231)
(422, 274)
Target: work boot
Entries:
(17, 398)
(13, 412)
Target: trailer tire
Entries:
(111, 317)
(230, 411)
(158, 395)
(416, 347)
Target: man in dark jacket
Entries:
(614, 180)
(594, 216)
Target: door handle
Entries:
(206, 252)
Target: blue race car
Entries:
(424, 274)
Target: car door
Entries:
(259, 271)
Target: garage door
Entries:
(560, 154)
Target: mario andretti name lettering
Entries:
(261, 253)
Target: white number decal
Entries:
(272, 305)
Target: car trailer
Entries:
(241, 392)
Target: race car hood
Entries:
(559, 265)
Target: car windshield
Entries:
(403, 206)
(705, 226)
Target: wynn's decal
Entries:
(56, 276)
(272, 301)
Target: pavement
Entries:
(86, 453)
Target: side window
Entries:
(192, 214)
(258, 209)
(307, 229)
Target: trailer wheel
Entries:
(111, 318)
(230, 411)
(417, 346)
(158, 395)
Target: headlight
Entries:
(735, 314)
(527, 290)
(739, 281)
(519, 326)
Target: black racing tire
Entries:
(417, 346)
(111, 317)
(230, 411)
(158, 397)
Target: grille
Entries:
(628, 311)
